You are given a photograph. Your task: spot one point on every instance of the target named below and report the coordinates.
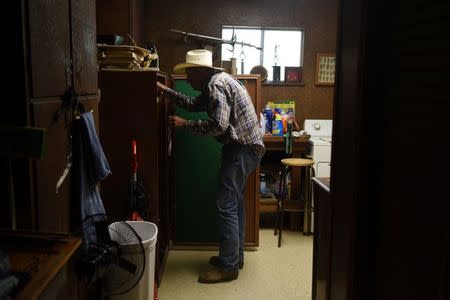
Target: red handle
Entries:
(133, 144)
(135, 216)
(134, 163)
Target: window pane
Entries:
(227, 52)
(249, 55)
(288, 53)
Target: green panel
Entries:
(197, 162)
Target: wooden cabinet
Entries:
(62, 36)
(131, 109)
(62, 47)
(55, 49)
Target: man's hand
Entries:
(177, 121)
(161, 87)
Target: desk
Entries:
(322, 238)
(276, 144)
(43, 256)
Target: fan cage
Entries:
(115, 279)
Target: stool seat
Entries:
(297, 162)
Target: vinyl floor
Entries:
(269, 272)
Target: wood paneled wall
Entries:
(318, 18)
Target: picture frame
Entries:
(325, 68)
(293, 74)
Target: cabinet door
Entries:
(164, 205)
(128, 112)
(84, 47)
(49, 47)
(194, 198)
(197, 163)
(132, 110)
(253, 85)
(53, 209)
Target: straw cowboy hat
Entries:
(196, 58)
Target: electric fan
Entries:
(112, 254)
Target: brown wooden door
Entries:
(253, 85)
(54, 66)
(62, 51)
(55, 49)
(49, 47)
(127, 112)
(131, 109)
(53, 208)
(390, 226)
(84, 47)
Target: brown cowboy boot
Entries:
(214, 260)
(217, 275)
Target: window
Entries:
(279, 46)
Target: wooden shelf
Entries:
(267, 205)
(277, 143)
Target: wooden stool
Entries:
(307, 172)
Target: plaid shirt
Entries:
(231, 114)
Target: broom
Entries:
(137, 193)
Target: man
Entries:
(232, 120)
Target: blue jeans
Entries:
(238, 161)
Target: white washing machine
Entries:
(319, 149)
(319, 144)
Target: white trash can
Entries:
(144, 290)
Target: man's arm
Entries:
(218, 121)
(181, 100)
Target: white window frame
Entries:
(261, 45)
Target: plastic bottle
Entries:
(269, 118)
(284, 121)
(262, 182)
(277, 125)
